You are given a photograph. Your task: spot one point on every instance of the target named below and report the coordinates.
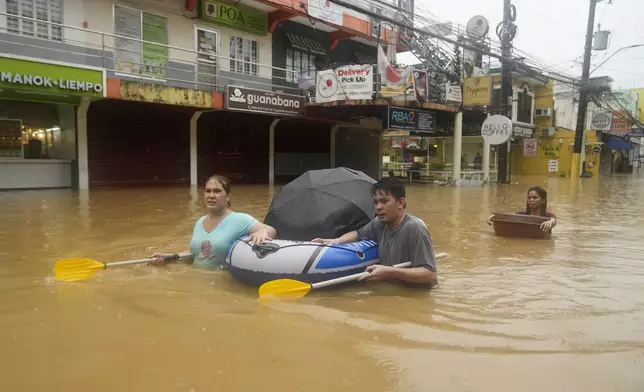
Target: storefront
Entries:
(419, 145)
(38, 120)
(261, 137)
(138, 143)
(406, 144)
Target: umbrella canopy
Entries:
(322, 203)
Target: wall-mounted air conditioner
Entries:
(543, 113)
(548, 132)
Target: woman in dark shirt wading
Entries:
(537, 205)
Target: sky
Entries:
(554, 32)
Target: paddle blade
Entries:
(71, 270)
(288, 288)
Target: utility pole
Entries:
(506, 87)
(575, 171)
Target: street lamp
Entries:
(614, 53)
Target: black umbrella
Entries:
(322, 203)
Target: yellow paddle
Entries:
(293, 289)
(74, 269)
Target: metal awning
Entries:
(305, 43)
(365, 58)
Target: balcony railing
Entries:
(131, 59)
(176, 66)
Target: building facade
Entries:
(146, 92)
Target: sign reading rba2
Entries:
(28, 75)
(260, 101)
(410, 120)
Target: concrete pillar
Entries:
(193, 148)
(486, 161)
(83, 160)
(334, 131)
(582, 159)
(381, 133)
(458, 141)
(271, 152)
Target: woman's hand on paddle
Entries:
(258, 237)
(158, 258)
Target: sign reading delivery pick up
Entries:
(20, 78)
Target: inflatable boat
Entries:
(305, 261)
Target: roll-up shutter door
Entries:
(234, 145)
(358, 149)
(133, 143)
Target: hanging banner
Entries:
(529, 147)
(421, 84)
(397, 83)
(477, 91)
(155, 57)
(127, 53)
(343, 83)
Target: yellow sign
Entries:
(477, 91)
(156, 93)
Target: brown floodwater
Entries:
(510, 315)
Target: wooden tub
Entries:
(519, 226)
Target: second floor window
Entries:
(131, 55)
(244, 55)
(524, 107)
(207, 47)
(41, 10)
(299, 63)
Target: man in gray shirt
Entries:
(401, 237)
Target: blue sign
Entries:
(405, 119)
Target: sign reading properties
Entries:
(37, 77)
(405, 119)
(267, 102)
(237, 17)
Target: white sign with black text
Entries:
(553, 166)
(496, 130)
(601, 121)
(453, 93)
(342, 83)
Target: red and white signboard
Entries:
(342, 83)
(326, 11)
(621, 124)
(529, 147)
